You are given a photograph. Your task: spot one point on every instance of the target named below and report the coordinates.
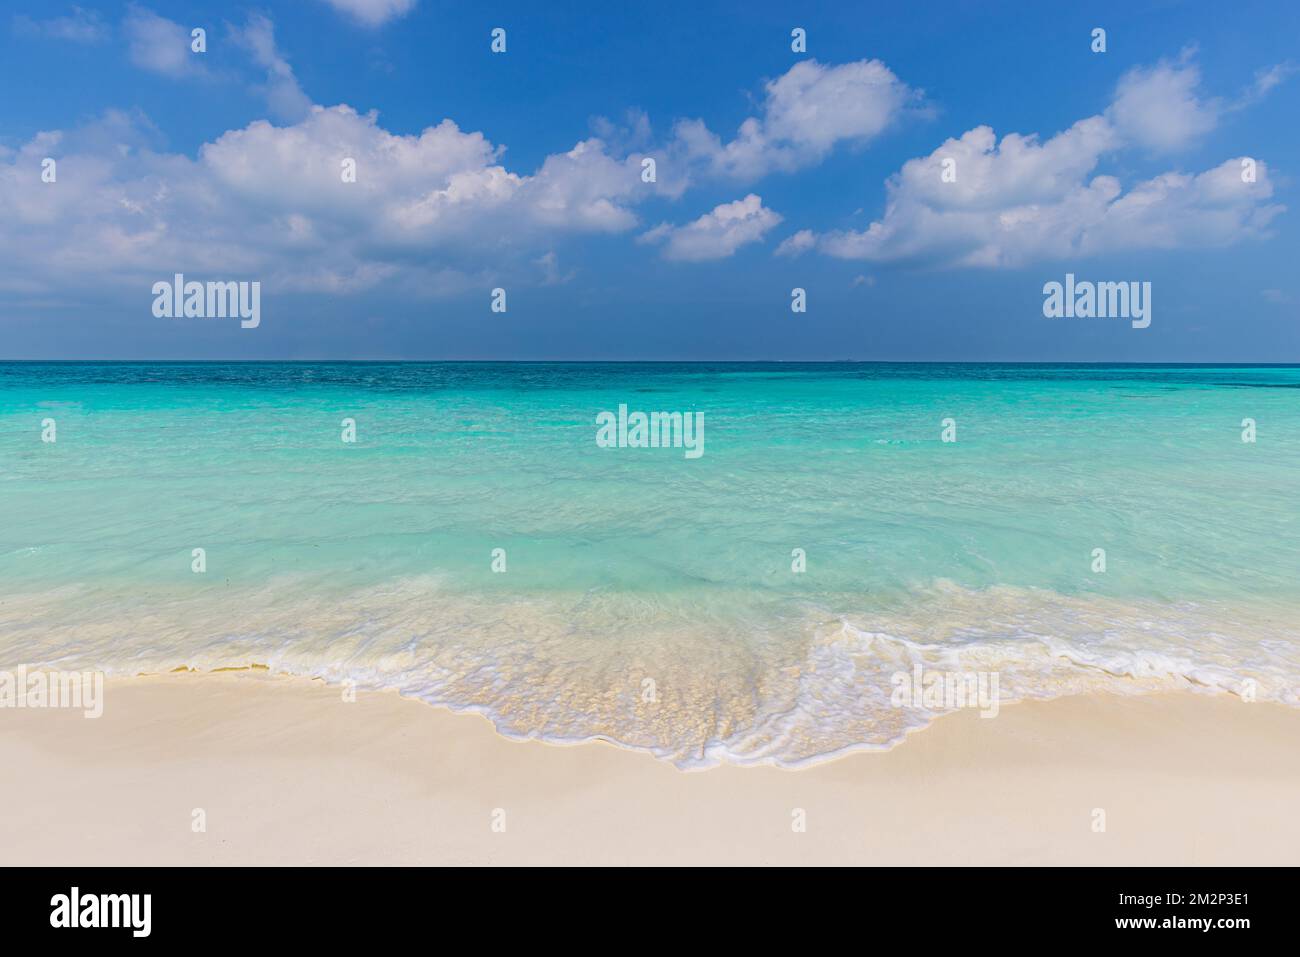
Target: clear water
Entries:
(372, 561)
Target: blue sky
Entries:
(774, 169)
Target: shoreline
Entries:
(284, 771)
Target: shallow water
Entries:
(373, 560)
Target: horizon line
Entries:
(321, 361)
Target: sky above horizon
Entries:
(920, 173)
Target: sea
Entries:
(458, 533)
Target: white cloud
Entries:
(818, 106)
(163, 46)
(429, 213)
(798, 244)
(1268, 78)
(1179, 210)
(585, 188)
(439, 211)
(806, 112)
(284, 96)
(1086, 217)
(1158, 108)
(81, 26)
(157, 44)
(373, 13)
(1017, 171)
(717, 234)
(1009, 202)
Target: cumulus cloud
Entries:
(798, 244)
(80, 26)
(1158, 108)
(996, 223)
(1180, 210)
(806, 112)
(586, 188)
(978, 201)
(157, 44)
(427, 212)
(163, 46)
(716, 234)
(373, 13)
(437, 211)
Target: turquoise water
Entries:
(372, 560)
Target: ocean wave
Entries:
(698, 678)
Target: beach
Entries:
(286, 771)
(885, 613)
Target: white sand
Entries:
(289, 773)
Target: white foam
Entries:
(737, 680)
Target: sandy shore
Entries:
(286, 772)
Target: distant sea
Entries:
(641, 596)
